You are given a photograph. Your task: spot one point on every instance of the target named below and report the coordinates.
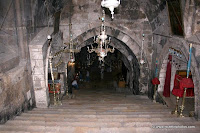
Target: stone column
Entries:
(38, 54)
(37, 66)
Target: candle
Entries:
(156, 68)
(189, 62)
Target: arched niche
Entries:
(183, 46)
(126, 45)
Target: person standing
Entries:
(102, 73)
(87, 76)
(75, 88)
(80, 76)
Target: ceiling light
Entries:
(111, 4)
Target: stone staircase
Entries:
(101, 111)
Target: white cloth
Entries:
(74, 82)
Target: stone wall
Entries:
(16, 93)
(197, 17)
(163, 39)
(20, 21)
(8, 38)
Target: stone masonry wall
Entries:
(197, 17)
(163, 39)
(16, 93)
(129, 23)
(20, 21)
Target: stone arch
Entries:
(83, 22)
(119, 35)
(131, 47)
(39, 51)
(184, 47)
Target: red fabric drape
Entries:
(176, 90)
(181, 83)
(187, 83)
(155, 81)
(166, 91)
(57, 88)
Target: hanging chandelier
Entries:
(101, 51)
(102, 40)
(110, 4)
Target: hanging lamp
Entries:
(110, 4)
(141, 58)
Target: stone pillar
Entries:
(37, 66)
(20, 29)
(38, 54)
(189, 17)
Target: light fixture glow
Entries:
(110, 4)
(49, 37)
(102, 40)
(141, 58)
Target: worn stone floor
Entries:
(101, 110)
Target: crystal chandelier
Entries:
(101, 51)
(111, 4)
(102, 40)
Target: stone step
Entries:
(44, 126)
(110, 100)
(110, 108)
(101, 112)
(104, 107)
(104, 101)
(83, 106)
(102, 104)
(99, 124)
(55, 119)
(29, 116)
(114, 112)
(102, 130)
